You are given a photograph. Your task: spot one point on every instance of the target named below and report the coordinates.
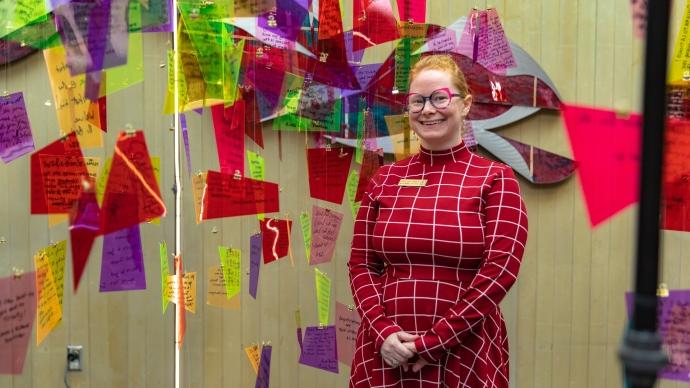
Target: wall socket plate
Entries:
(74, 357)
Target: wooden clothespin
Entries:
(662, 291)
(17, 272)
(351, 307)
(237, 175)
(3, 240)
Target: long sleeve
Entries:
(505, 235)
(366, 270)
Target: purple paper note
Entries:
(199, 111)
(123, 261)
(673, 319)
(264, 376)
(254, 263)
(443, 41)
(185, 138)
(365, 73)
(286, 19)
(15, 131)
(319, 349)
(347, 323)
(325, 225)
(17, 312)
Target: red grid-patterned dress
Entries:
(436, 260)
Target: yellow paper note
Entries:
(680, 62)
(189, 286)
(405, 142)
(305, 222)
(198, 187)
(165, 272)
(323, 296)
(254, 355)
(73, 108)
(230, 261)
(48, 310)
(257, 170)
(103, 180)
(55, 256)
(131, 73)
(351, 189)
(216, 294)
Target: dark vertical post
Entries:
(641, 352)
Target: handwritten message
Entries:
(328, 169)
(17, 312)
(263, 378)
(216, 292)
(54, 255)
(254, 356)
(189, 290)
(230, 261)
(323, 296)
(122, 268)
(48, 311)
(319, 348)
(305, 222)
(325, 226)
(226, 196)
(347, 323)
(255, 243)
(15, 131)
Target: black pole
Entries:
(641, 352)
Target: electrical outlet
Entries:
(74, 357)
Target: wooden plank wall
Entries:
(565, 316)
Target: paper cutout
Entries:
(229, 128)
(254, 263)
(257, 170)
(17, 312)
(180, 316)
(185, 138)
(230, 262)
(373, 23)
(352, 185)
(347, 323)
(103, 179)
(252, 116)
(608, 162)
(325, 225)
(639, 17)
(679, 71)
(226, 196)
(122, 268)
(405, 142)
(15, 131)
(412, 10)
(286, 19)
(84, 227)
(264, 376)
(319, 349)
(73, 109)
(305, 222)
(48, 310)
(198, 190)
(254, 356)
(404, 58)
(328, 171)
(165, 272)
(276, 238)
(323, 296)
(365, 73)
(189, 285)
(55, 255)
(673, 317)
(371, 161)
(216, 294)
(445, 40)
(56, 176)
(485, 42)
(330, 19)
(132, 195)
(675, 211)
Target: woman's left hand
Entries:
(419, 364)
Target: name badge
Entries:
(412, 182)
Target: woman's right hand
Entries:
(393, 351)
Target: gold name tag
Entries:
(412, 182)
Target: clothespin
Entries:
(237, 175)
(662, 291)
(214, 230)
(129, 130)
(351, 307)
(686, 75)
(323, 57)
(3, 240)
(321, 326)
(622, 114)
(17, 272)
(342, 152)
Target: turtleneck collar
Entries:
(439, 157)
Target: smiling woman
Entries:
(437, 244)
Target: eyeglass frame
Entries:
(428, 98)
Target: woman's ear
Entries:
(466, 105)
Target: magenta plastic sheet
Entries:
(287, 18)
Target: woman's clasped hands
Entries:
(397, 350)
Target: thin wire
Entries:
(177, 191)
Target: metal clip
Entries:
(237, 175)
(17, 272)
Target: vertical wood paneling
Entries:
(565, 316)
